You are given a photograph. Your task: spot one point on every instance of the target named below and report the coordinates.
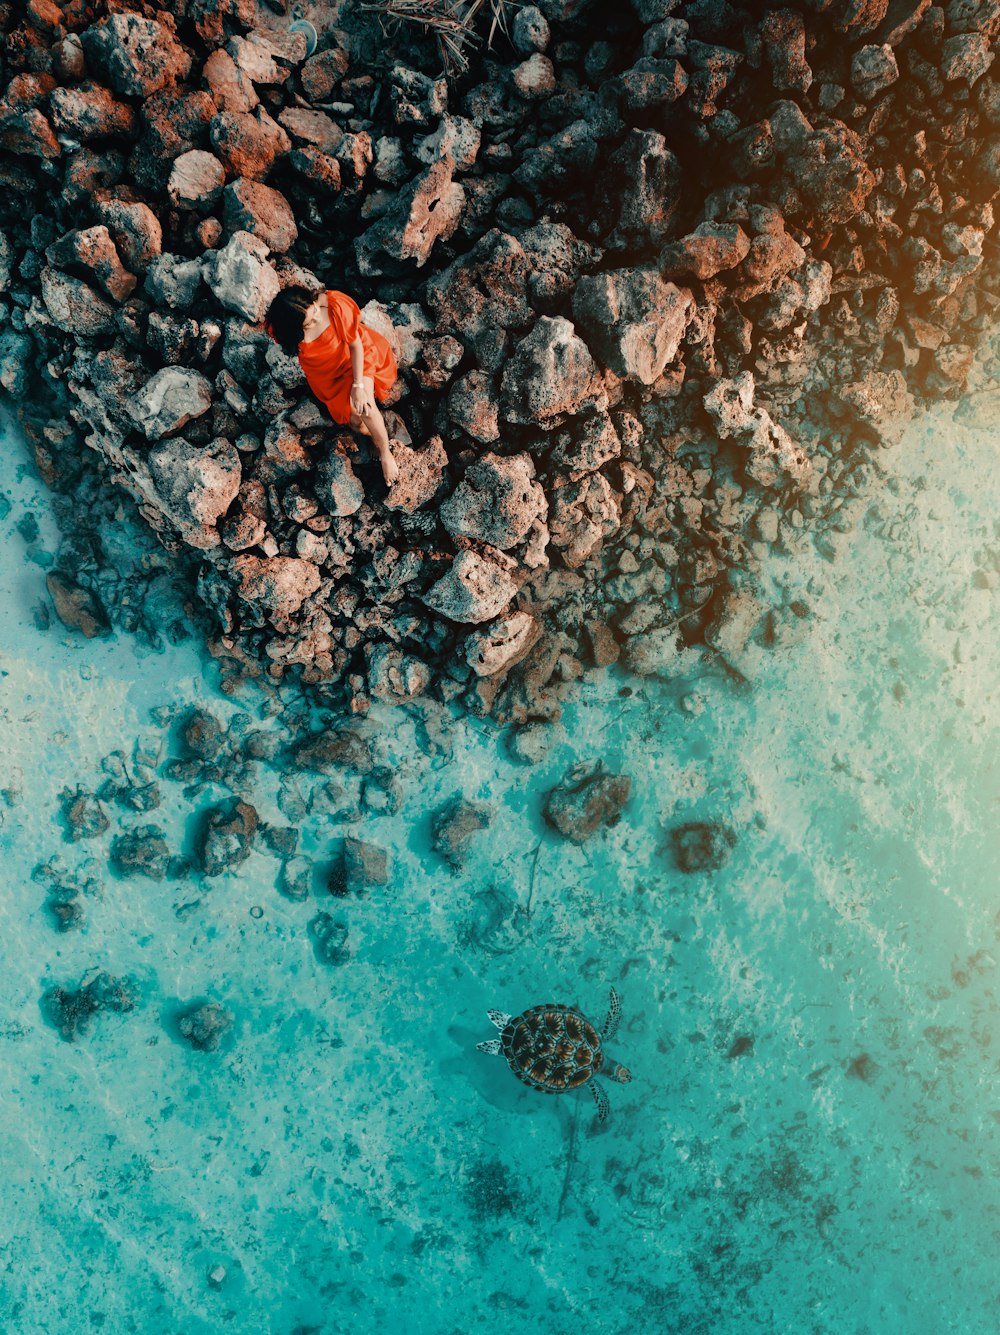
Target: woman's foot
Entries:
(390, 469)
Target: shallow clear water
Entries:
(349, 1159)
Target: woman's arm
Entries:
(361, 400)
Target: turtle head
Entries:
(616, 1071)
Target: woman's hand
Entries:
(362, 399)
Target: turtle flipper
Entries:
(493, 1046)
(614, 1018)
(499, 1019)
(601, 1099)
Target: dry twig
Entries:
(451, 22)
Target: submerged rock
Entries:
(204, 1026)
(454, 825)
(84, 816)
(586, 800)
(142, 851)
(338, 747)
(226, 838)
(362, 867)
(329, 936)
(700, 846)
(76, 607)
(72, 1012)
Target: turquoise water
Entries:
(810, 1139)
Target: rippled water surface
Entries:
(810, 1139)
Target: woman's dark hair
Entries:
(286, 316)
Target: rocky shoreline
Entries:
(660, 287)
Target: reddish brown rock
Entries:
(228, 84)
(312, 127)
(136, 231)
(321, 74)
(276, 586)
(94, 252)
(250, 206)
(316, 167)
(89, 112)
(137, 56)
(248, 145)
(23, 127)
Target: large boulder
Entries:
(474, 590)
(551, 373)
(89, 111)
(274, 587)
(708, 250)
(196, 180)
(421, 475)
(241, 277)
(773, 457)
(194, 486)
(337, 488)
(644, 186)
(169, 400)
(496, 502)
(136, 231)
(426, 211)
(502, 644)
(136, 56)
(74, 307)
(248, 145)
(93, 251)
(830, 176)
(633, 319)
(250, 206)
(483, 295)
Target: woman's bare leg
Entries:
(372, 424)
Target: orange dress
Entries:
(326, 361)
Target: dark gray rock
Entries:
(136, 56)
(240, 276)
(496, 502)
(475, 589)
(551, 373)
(337, 748)
(329, 937)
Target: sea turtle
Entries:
(555, 1048)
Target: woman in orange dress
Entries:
(347, 365)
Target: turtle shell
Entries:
(553, 1048)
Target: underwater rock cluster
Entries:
(659, 278)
